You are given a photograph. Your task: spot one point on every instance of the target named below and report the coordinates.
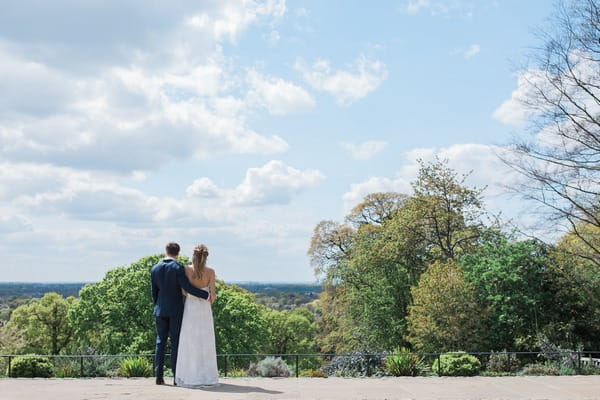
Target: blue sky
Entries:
(240, 124)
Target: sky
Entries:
(240, 124)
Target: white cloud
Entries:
(444, 8)
(347, 86)
(466, 53)
(514, 111)
(278, 96)
(365, 150)
(273, 183)
(472, 51)
(170, 114)
(203, 187)
(487, 171)
(234, 17)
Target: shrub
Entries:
(313, 373)
(236, 373)
(31, 366)
(403, 363)
(135, 367)
(502, 362)
(547, 368)
(457, 364)
(270, 367)
(66, 370)
(357, 364)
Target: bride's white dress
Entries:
(197, 354)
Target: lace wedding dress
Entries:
(197, 355)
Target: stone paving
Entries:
(518, 388)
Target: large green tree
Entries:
(371, 262)
(115, 315)
(445, 315)
(44, 324)
(511, 282)
(290, 331)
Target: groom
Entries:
(168, 278)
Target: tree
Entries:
(573, 308)
(239, 321)
(393, 239)
(511, 282)
(12, 339)
(290, 331)
(445, 315)
(328, 247)
(44, 323)
(561, 163)
(115, 315)
(376, 207)
(446, 214)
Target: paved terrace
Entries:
(530, 387)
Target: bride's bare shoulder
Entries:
(211, 271)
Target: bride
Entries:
(197, 356)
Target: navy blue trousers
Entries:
(165, 327)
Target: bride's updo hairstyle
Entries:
(199, 260)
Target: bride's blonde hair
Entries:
(199, 260)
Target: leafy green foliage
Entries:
(290, 331)
(510, 280)
(457, 364)
(356, 364)
(445, 314)
(135, 367)
(115, 315)
(403, 363)
(369, 266)
(44, 324)
(239, 322)
(503, 362)
(31, 366)
(545, 368)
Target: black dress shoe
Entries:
(174, 382)
(160, 380)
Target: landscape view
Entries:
(400, 189)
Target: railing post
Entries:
(439, 364)
(9, 366)
(579, 362)
(296, 365)
(368, 357)
(225, 357)
(508, 362)
(81, 366)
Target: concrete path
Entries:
(538, 387)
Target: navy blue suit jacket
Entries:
(168, 278)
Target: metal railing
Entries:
(96, 365)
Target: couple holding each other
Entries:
(190, 326)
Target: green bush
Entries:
(31, 366)
(313, 373)
(503, 362)
(270, 367)
(547, 368)
(135, 367)
(457, 363)
(403, 363)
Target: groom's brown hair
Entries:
(172, 249)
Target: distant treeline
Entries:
(258, 287)
(24, 289)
